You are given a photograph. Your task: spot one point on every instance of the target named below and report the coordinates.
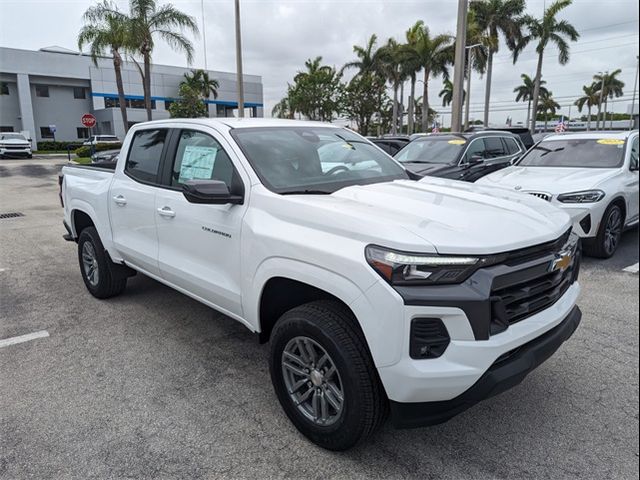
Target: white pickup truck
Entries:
(378, 293)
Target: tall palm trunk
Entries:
(412, 97)
(536, 93)
(425, 102)
(604, 114)
(598, 116)
(589, 118)
(394, 113)
(146, 81)
(528, 112)
(487, 92)
(401, 107)
(117, 66)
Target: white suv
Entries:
(592, 176)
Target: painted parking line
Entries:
(631, 268)
(23, 338)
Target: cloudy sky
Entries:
(279, 35)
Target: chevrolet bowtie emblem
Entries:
(561, 263)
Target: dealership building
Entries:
(44, 93)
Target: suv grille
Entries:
(535, 290)
(543, 196)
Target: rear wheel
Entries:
(324, 376)
(95, 266)
(606, 242)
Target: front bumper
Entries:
(15, 152)
(585, 217)
(506, 372)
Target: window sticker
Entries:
(197, 163)
(457, 142)
(610, 141)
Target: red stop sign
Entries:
(88, 120)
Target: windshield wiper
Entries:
(548, 150)
(307, 191)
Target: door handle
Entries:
(166, 212)
(120, 200)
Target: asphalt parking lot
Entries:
(152, 384)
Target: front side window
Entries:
(476, 149)
(314, 159)
(42, 91)
(200, 157)
(145, 153)
(442, 150)
(576, 153)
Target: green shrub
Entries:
(46, 145)
(86, 151)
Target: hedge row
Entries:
(85, 151)
(50, 145)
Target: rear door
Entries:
(132, 200)
(199, 244)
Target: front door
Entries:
(132, 201)
(199, 244)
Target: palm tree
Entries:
(369, 60)
(435, 54)
(411, 65)
(608, 87)
(547, 30)
(447, 93)
(200, 82)
(391, 66)
(495, 17)
(591, 98)
(107, 29)
(547, 107)
(282, 109)
(525, 92)
(148, 21)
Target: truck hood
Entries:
(426, 168)
(14, 142)
(434, 214)
(553, 180)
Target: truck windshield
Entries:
(576, 153)
(314, 160)
(443, 150)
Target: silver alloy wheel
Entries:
(612, 230)
(312, 381)
(90, 263)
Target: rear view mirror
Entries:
(213, 192)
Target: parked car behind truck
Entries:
(377, 293)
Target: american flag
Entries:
(434, 128)
(561, 126)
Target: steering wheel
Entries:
(337, 169)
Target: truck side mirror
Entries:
(213, 192)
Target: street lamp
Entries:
(633, 101)
(239, 63)
(469, 67)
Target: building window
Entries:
(42, 91)
(111, 102)
(82, 132)
(105, 128)
(168, 103)
(6, 129)
(80, 93)
(45, 132)
(4, 88)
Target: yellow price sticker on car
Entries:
(610, 141)
(457, 142)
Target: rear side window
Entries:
(200, 157)
(493, 147)
(512, 146)
(143, 162)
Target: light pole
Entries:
(469, 68)
(204, 35)
(601, 117)
(633, 101)
(458, 69)
(239, 63)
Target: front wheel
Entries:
(606, 242)
(324, 376)
(95, 266)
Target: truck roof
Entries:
(231, 122)
(619, 135)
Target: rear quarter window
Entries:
(145, 154)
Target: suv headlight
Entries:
(400, 268)
(586, 196)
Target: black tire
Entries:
(104, 284)
(606, 242)
(333, 328)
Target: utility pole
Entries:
(459, 67)
(239, 63)
(633, 102)
(204, 35)
(467, 100)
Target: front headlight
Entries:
(586, 196)
(399, 268)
